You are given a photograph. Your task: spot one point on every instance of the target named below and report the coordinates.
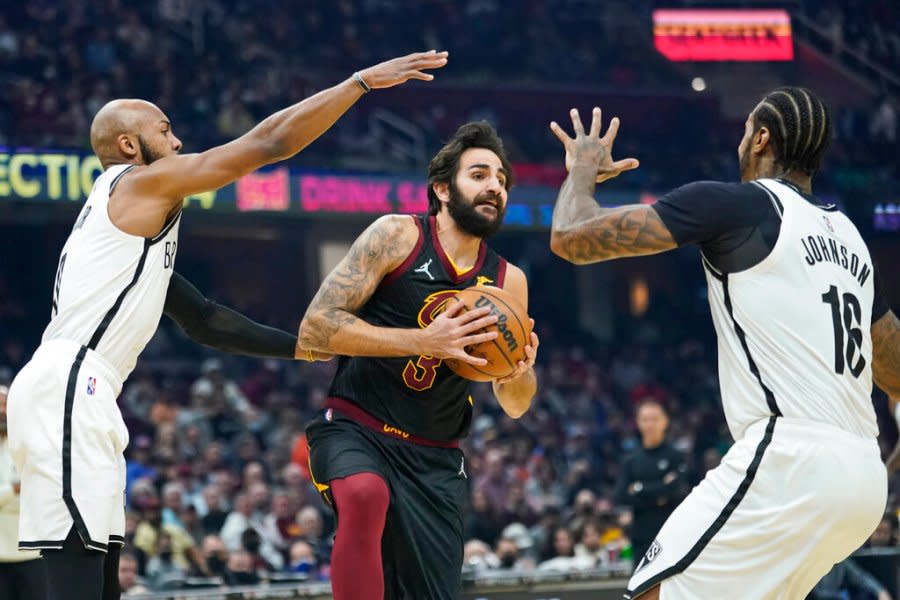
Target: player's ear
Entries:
(127, 146)
(760, 140)
(441, 190)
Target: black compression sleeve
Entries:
(222, 328)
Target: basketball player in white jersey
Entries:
(114, 280)
(802, 331)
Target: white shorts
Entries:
(788, 501)
(67, 436)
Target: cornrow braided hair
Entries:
(799, 124)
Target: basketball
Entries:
(513, 329)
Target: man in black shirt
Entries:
(652, 481)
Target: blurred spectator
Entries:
(216, 555)
(240, 570)
(129, 582)
(178, 541)
(493, 481)
(481, 521)
(885, 534)
(847, 580)
(653, 479)
(562, 556)
(215, 514)
(303, 560)
(252, 542)
(22, 574)
(162, 571)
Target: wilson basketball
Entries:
(513, 329)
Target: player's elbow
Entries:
(561, 245)
(311, 333)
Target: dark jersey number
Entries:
(848, 337)
(54, 309)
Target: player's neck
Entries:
(460, 246)
(801, 181)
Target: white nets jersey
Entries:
(111, 286)
(793, 331)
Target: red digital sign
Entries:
(719, 34)
(267, 190)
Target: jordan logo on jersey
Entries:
(424, 269)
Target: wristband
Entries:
(362, 82)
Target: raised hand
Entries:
(400, 70)
(453, 330)
(591, 150)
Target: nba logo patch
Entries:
(828, 223)
(91, 386)
(329, 415)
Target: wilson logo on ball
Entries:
(502, 329)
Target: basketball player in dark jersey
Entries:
(385, 453)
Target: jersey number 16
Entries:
(848, 337)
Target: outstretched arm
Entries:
(330, 324)
(222, 328)
(164, 183)
(584, 232)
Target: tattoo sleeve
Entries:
(886, 354)
(380, 248)
(584, 232)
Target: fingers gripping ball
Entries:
(513, 328)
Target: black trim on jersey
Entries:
(709, 267)
(41, 545)
(116, 539)
(111, 313)
(779, 207)
(742, 337)
(165, 229)
(115, 180)
(80, 526)
(809, 197)
(719, 522)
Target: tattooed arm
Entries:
(583, 232)
(330, 324)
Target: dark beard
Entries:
(467, 217)
(149, 155)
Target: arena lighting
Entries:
(723, 34)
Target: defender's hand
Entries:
(591, 150)
(453, 330)
(400, 70)
(524, 365)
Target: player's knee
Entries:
(364, 494)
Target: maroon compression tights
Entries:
(362, 502)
